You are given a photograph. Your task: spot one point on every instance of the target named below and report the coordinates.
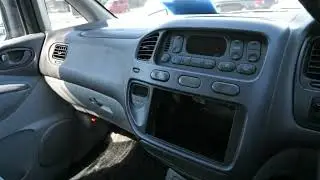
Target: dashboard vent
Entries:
(60, 51)
(147, 47)
(167, 45)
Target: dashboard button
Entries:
(165, 58)
(225, 88)
(236, 49)
(177, 44)
(254, 45)
(176, 60)
(253, 55)
(236, 55)
(226, 66)
(209, 64)
(246, 69)
(189, 81)
(196, 62)
(185, 61)
(136, 70)
(160, 75)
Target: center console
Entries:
(182, 95)
(194, 94)
(202, 127)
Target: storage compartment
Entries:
(194, 123)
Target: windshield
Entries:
(135, 8)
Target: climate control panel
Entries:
(238, 55)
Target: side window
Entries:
(13, 26)
(3, 31)
(63, 15)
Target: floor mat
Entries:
(124, 159)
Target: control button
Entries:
(236, 49)
(165, 58)
(189, 81)
(160, 75)
(236, 45)
(225, 88)
(254, 45)
(253, 55)
(209, 64)
(246, 69)
(177, 44)
(226, 66)
(185, 61)
(236, 55)
(136, 70)
(176, 60)
(196, 62)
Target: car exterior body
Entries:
(237, 5)
(117, 6)
(190, 6)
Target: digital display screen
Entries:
(208, 46)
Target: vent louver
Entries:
(60, 52)
(167, 45)
(147, 47)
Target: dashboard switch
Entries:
(236, 49)
(253, 55)
(246, 69)
(196, 62)
(254, 45)
(165, 58)
(189, 81)
(185, 61)
(176, 60)
(253, 51)
(136, 70)
(160, 75)
(209, 64)
(226, 66)
(177, 44)
(236, 55)
(225, 88)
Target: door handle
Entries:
(15, 57)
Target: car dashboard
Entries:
(214, 97)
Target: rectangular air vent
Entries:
(60, 51)
(147, 47)
(167, 44)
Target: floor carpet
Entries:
(123, 159)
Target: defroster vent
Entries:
(60, 51)
(147, 47)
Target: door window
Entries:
(11, 25)
(3, 31)
(63, 15)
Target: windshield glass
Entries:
(134, 8)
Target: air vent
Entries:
(167, 45)
(147, 47)
(60, 52)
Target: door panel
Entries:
(39, 134)
(9, 88)
(36, 126)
